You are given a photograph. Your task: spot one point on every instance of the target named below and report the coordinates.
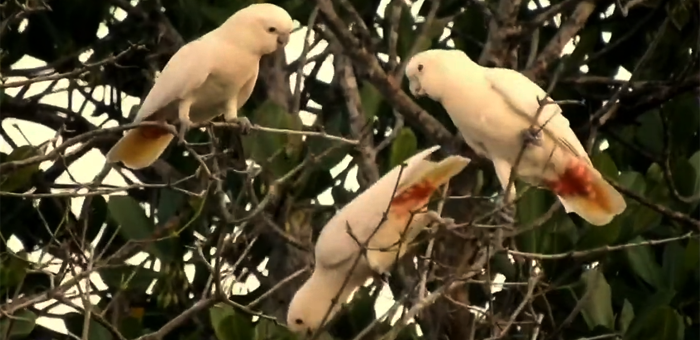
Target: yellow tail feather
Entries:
(137, 150)
(444, 170)
(417, 191)
(601, 207)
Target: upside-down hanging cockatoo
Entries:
(208, 77)
(493, 108)
(336, 249)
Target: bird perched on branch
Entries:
(359, 229)
(494, 109)
(207, 77)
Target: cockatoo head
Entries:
(311, 303)
(263, 28)
(426, 71)
(315, 297)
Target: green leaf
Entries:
(403, 147)
(74, 324)
(268, 330)
(128, 277)
(605, 165)
(673, 261)
(229, 324)
(335, 121)
(134, 225)
(13, 270)
(633, 181)
(683, 177)
(21, 177)
(532, 205)
(276, 152)
(642, 262)
(661, 323)
(23, 323)
(597, 309)
(557, 235)
(594, 237)
(370, 99)
(626, 316)
(169, 203)
(131, 326)
(683, 114)
(691, 258)
(650, 133)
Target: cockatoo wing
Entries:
(524, 95)
(185, 72)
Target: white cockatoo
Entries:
(207, 77)
(493, 108)
(337, 250)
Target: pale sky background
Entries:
(85, 169)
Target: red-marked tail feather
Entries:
(416, 191)
(582, 190)
(140, 147)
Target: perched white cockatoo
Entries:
(336, 249)
(210, 76)
(494, 108)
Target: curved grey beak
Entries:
(282, 39)
(415, 88)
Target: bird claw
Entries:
(506, 207)
(384, 277)
(184, 126)
(448, 222)
(244, 125)
(532, 136)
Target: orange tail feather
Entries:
(416, 192)
(582, 190)
(140, 147)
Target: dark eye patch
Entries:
(271, 29)
(420, 67)
(299, 321)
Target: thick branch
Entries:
(566, 32)
(418, 117)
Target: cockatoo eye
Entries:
(299, 321)
(420, 67)
(271, 30)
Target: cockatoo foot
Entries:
(384, 277)
(533, 136)
(185, 125)
(244, 125)
(448, 222)
(507, 206)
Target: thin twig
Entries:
(604, 249)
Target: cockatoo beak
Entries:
(282, 40)
(415, 88)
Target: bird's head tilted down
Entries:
(427, 70)
(264, 27)
(310, 307)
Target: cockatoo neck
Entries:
(315, 297)
(461, 82)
